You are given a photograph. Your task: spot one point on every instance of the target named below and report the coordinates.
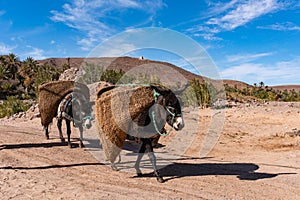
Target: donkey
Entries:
(73, 108)
(159, 106)
(166, 108)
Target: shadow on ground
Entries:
(32, 145)
(50, 166)
(243, 171)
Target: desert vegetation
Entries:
(19, 81)
(261, 92)
(22, 78)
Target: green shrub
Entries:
(201, 93)
(13, 105)
(91, 73)
(6, 87)
(112, 76)
(189, 98)
(264, 92)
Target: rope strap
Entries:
(68, 117)
(156, 128)
(87, 117)
(156, 95)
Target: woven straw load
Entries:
(50, 95)
(115, 109)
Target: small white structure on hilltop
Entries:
(141, 58)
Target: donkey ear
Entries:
(159, 88)
(154, 87)
(181, 89)
(161, 100)
(164, 102)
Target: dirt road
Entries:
(256, 157)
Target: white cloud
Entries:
(113, 49)
(201, 28)
(287, 26)
(248, 72)
(152, 6)
(207, 36)
(36, 53)
(128, 4)
(92, 17)
(86, 43)
(207, 33)
(5, 49)
(233, 14)
(80, 16)
(30, 51)
(219, 7)
(243, 12)
(284, 72)
(242, 58)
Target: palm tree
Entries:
(29, 67)
(13, 64)
(27, 73)
(3, 73)
(2, 60)
(261, 84)
(68, 61)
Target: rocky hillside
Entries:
(287, 87)
(128, 63)
(121, 63)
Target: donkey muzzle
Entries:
(178, 124)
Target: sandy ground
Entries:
(256, 156)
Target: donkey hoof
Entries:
(81, 145)
(114, 167)
(138, 171)
(47, 137)
(62, 140)
(160, 179)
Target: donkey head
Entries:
(82, 110)
(168, 100)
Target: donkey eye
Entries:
(169, 105)
(171, 108)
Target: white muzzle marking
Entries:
(178, 123)
(87, 123)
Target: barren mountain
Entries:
(128, 63)
(287, 87)
(121, 63)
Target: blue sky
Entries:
(250, 41)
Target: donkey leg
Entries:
(81, 136)
(46, 132)
(139, 158)
(152, 157)
(59, 125)
(68, 124)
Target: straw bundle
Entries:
(51, 94)
(116, 107)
